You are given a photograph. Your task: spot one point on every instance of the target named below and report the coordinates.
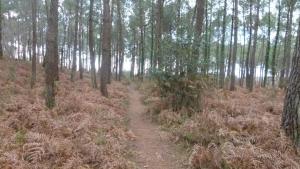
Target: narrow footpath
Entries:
(152, 147)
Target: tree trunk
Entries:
(275, 45)
(74, 60)
(230, 50)
(267, 58)
(291, 110)
(249, 49)
(222, 53)
(253, 55)
(34, 42)
(51, 53)
(243, 51)
(91, 45)
(152, 35)
(120, 42)
(200, 12)
(159, 18)
(1, 48)
(81, 41)
(106, 47)
(141, 26)
(234, 52)
(287, 45)
(133, 53)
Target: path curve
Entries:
(153, 150)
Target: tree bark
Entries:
(234, 52)
(267, 57)
(275, 45)
(291, 110)
(141, 26)
(106, 47)
(74, 60)
(1, 17)
(91, 45)
(81, 41)
(222, 53)
(51, 54)
(34, 42)
(193, 62)
(253, 55)
(287, 45)
(133, 53)
(159, 18)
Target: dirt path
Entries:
(153, 150)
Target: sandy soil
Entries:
(152, 146)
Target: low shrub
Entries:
(181, 91)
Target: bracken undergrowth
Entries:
(84, 130)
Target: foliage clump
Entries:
(181, 91)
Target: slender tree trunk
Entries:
(110, 59)
(74, 60)
(91, 45)
(267, 58)
(1, 48)
(232, 85)
(34, 42)
(159, 18)
(120, 40)
(178, 36)
(141, 26)
(243, 52)
(230, 51)
(63, 52)
(106, 47)
(51, 53)
(249, 49)
(152, 35)
(81, 41)
(207, 42)
(287, 45)
(222, 54)
(253, 55)
(200, 12)
(289, 39)
(133, 53)
(275, 45)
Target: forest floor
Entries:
(85, 130)
(235, 130)
(136, 128)
(153, 149)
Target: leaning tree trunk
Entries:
(291, 110)
(51, 53)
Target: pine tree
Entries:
(51, 53)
